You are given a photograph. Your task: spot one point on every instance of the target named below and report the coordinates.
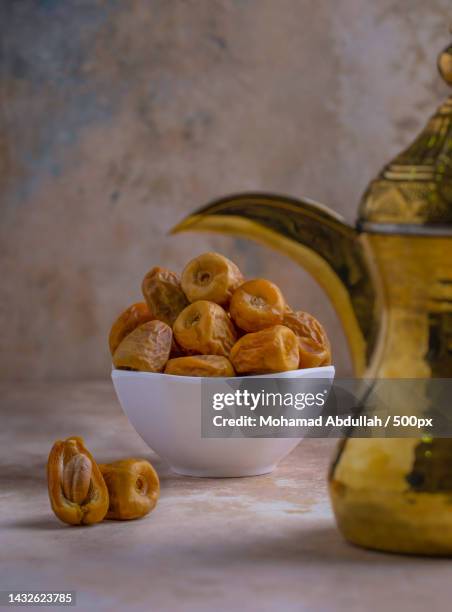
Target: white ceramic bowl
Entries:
(165, 410)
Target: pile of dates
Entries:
(211, 322)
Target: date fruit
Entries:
(132, 317)
(257, 304)
(133, 486)
(313, 343)
(271, 350)
(77, 491)
(163, 294)
(200, 365)
(204, 327)
(146, 349)
(211, 277)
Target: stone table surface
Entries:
(263, 543)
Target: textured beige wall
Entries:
(118, 118)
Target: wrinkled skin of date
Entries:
(133, 487)
(211, 277)
(132, 317)
(200, 365)
(204, 327)
(163, 294)
(271, 350)
(146, 349)
(314, 346)
(257, 304)
(77, 491)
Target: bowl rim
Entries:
(329, 371)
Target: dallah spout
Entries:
(321, 242)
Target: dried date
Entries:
(133, 487)
(257, 304)
(163, 294)
(200, 365)
(132, 317)
(211, 277)
(271, 350)
(204, 327)
(314, 346)
(146, 349)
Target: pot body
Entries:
(376, 503)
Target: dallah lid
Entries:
(415, 189)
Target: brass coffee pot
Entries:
(390, 281)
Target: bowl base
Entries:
(222, 473)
